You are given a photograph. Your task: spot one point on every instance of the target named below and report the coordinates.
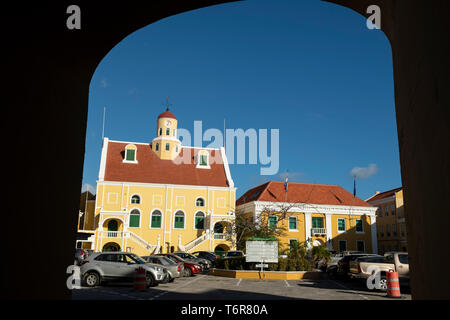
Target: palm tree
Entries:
(320, 253)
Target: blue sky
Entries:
(311, 69)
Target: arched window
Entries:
(130, 153)
(156, 219)
(156, 146)
(199, 220)
(135, 199)
(174, 132)
(200, 202)
(167, 146)
(135, 217)
(160, 131)
(167, 132)
(179, 220)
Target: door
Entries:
(112, 229)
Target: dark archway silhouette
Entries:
(48, 68)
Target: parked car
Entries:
(112, 266)
(234, 254)
(205, 263)
(174, 269)
(341, 269)
(80, 255)
(211, 256)
(190, 268)
(396, 261)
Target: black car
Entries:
(206, 255)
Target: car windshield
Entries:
(135, 258)
(166, 261)
(234, 254)
(174, 259)
(403, 258)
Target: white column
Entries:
(308, 227)
(329, 226)
(373, 231)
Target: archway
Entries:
(415, 28)
(111, 247)
(221, 249)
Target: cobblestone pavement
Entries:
(206, 287)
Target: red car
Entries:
(190, 268)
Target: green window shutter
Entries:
(179, 222)
(317, 222)
(199, 222)
(272, 222)
(341, 224)
(359, 226)
(292, 223)
(156, 221)
(130, 155)
(134, 220)
(203, 161)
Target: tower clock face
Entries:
(168, 123)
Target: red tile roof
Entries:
(167, 114)
(302, 193)
(384, 194)
(151, 169)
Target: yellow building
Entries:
(162, 196)
(391, 224)
(318, 214)
(86, 219)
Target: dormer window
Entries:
(130, 154)
(157, 147)
(203, 159)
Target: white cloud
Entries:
(87, 187)
(293, 176)
(364, 173)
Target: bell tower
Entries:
(166, 145)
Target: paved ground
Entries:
(206, 287)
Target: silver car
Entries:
(109, 266)
(174, 269)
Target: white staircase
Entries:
(196, 242)
(144, 244)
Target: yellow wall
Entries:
(117, 198)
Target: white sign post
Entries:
(262, 251)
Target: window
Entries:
(167, 132)
(341, 224)
(381, 231)
(199, 220)
(156, 219)
(157, 147)
(200, 202)
(167, 146)
(135, 199)
(360, 246)
(292, 223)
(203, 160)
(393, 210)
(176, 148)
(179, 220)
(386, 211)
(403, 258)
(317, 222)
(174, 132)
(272, 221)
(388, 232)
(389, 258)
(394, 229)
(135, 217)
(342, 245)
(380, 212)
(359, 225)
(160, 131)
(130, 155)
(402, 229)
(292, 243)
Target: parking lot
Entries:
(207, 287)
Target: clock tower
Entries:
(166, 145)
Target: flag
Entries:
(286, 184)
(354, 186)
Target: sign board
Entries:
(261, 251)
(264, 265)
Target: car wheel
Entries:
(188, 272)
(383, 283)
(151, 282)
(171, 279)
(92, 279)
